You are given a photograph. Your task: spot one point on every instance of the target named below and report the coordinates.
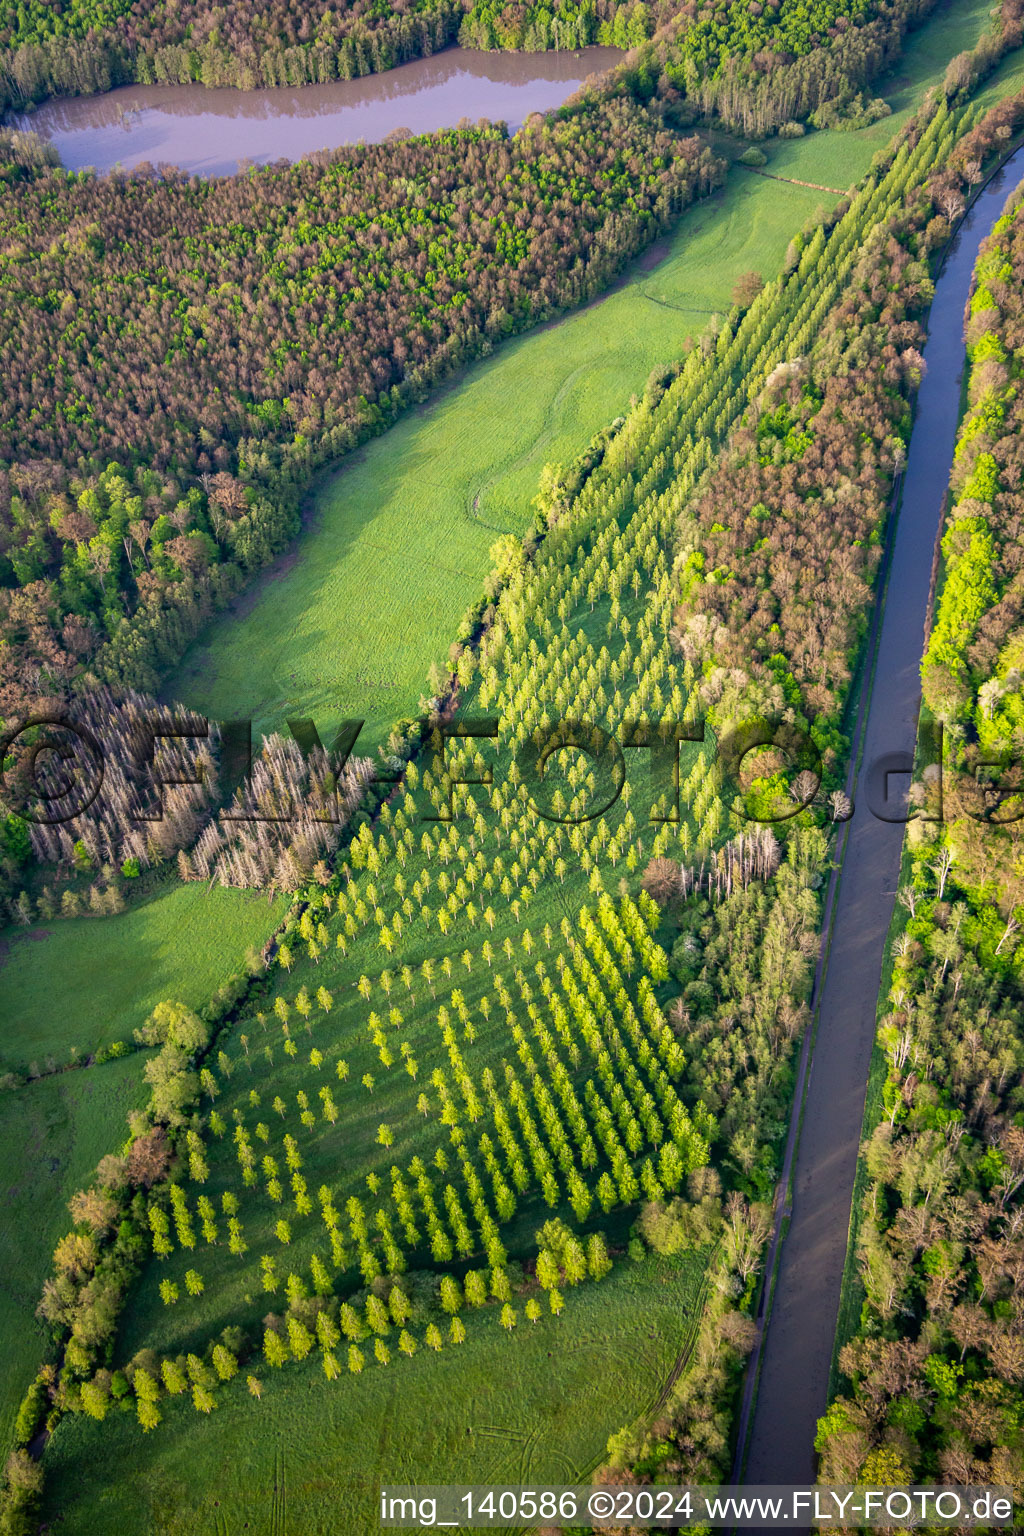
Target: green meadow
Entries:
(537, 1406)
(83, 982)
(53, 1132)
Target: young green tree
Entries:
(275, 1350)
(224, 1362)
(598, 1262)
(476, 1287)
(451, 1296)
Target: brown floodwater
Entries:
(211, 132)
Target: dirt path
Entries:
(796, 1350)
(815, 186)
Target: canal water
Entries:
(797, 1350)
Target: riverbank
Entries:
(799, 1341)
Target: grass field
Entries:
(398, 544)
(537, 1406)
(88, 981)
(52, 1135)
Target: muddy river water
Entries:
(212, 132)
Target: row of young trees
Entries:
(935, 1372)
(633, 500)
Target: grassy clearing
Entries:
(88, 981)
(538, 1406)
(398, 544)
(52, 1135)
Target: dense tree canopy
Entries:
(758, 62)
(87, 45)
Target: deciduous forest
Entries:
(750, 64)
